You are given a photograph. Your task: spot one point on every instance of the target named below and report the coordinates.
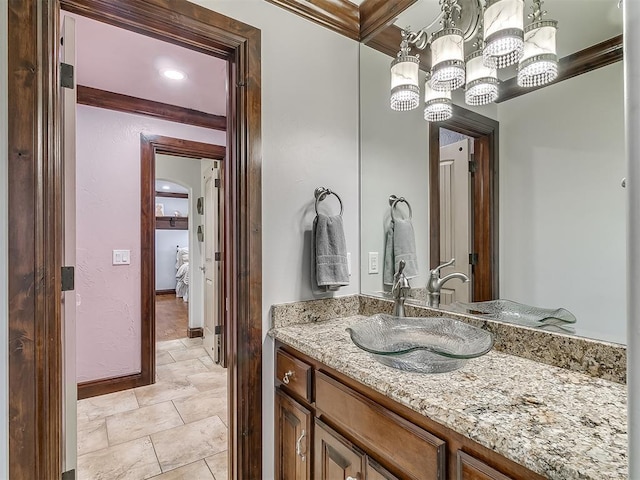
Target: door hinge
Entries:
(217, 256)
(69, 475)
(218, 330)
(66, 75)
(68, 279)
(473, 259)
(216, 183)
(473, 166)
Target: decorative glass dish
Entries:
(518, 313)
(427, 345)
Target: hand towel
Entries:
(400, 244)
(330, 251)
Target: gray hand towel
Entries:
(330, 251)
(400, 244)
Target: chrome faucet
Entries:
(435, 283)
(400, 290)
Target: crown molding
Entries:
(376, 15)
(341, 16)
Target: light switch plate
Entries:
(374, 266)
(121, 257)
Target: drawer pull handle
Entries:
(299, 446)
(352, 478)
(287, 376)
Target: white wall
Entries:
(108, 217)
(166, 243)
(394, 155)
(562, 209)
(4, 353)
(309, 139)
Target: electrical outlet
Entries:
(373, 262)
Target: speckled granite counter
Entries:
(561, 424)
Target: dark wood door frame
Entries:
(35, 215)
(150, 145)
(484, 197)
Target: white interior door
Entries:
(68, 95)
(213, 322)
(455, 239)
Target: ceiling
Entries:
(581, 23)
(117, 60)
(169, 187)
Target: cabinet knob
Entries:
(299, 446)
(352, 478)
(287, 376)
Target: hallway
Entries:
(172, 317)
(174, 429)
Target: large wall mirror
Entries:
(558, 227)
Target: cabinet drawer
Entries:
(470, 468)
(410, 450)
(294, 375)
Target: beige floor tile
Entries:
(92, 436)
(169, 345)
(135, 460)
(188, 353)
(164, 391)
(194, 471)
(192, 342)
(163, 357)
(105, 405)
(210, 380)
(208, 361)
(141, 422)
(188, 443)
(218, 464)
(180, 370)
(203, 405)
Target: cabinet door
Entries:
(377, 472)
(335, 457)
(470, 468)
(293, 430)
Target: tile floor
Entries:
(174, 429)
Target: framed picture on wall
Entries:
(159, 210)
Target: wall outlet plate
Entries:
(374, 262)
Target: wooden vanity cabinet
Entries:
(346, 430)
(293, 433)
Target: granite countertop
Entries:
(561, 424)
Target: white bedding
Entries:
(182, 274)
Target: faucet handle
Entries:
(401, 266)
(444, 265)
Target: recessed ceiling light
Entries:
(166, 187)
(174, 74)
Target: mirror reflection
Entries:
(542, 226)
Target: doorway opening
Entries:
(35, 367)
(481, 136)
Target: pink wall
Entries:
(108, 218)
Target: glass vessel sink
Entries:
(428, 345)
(518, 313)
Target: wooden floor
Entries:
(172, 318)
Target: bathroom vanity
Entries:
(341, 414)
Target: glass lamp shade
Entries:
(405, 90)
(482, 81)
(447, 60)
(503, 33)
(437, 105)
(539, 65)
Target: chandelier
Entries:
(501, 40)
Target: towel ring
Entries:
(394, 200)
(321, 193)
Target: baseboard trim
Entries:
(195, 332)
(93, 388)
(166, 292)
